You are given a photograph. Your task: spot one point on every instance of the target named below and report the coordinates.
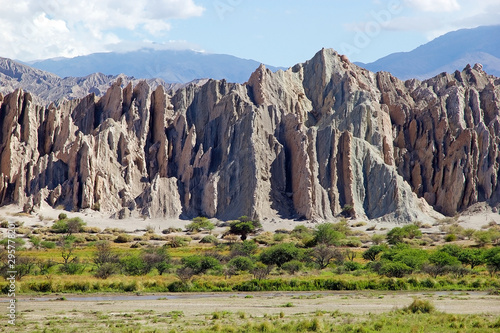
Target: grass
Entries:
(224, 321)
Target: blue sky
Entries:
(276, 32)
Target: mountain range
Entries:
(169, 65)
(446, 53)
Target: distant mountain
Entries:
(168, 65)
(47, 87)
(446, 53)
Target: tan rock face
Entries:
(304, 142)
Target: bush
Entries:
(123, 238)
(106, 270)
(243, 227)
(279, 254)
(133, 265)
(326, 233)
(62, 216)
(441, 259)
(420, 306)
(322, 255)
(292, 266)
(48, 245)
(69, 226)
(450, 238)
(394, 269)
(177, 241)
(245, 248)
(200, 223)
(209, 239)
(352, 266)
(201, 264)
(240, 263)
(372, 253)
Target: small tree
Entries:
(372, 253)
(279, 254)
(328, 234)
(104, 254)
(200, 223)
(241, 263)
(323, 255)
(243, 227)
(472, 257)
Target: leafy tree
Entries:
(292, 266)
(398, 234)
(245, 248)
(201, 264)
(323, 255)
(104, 254)
(240, 263)
(328, 234)
(395, 269)
(68, 226)
(472, 257)
(492, 257)
(243, 227)
(279, 254)
(200, 223)
(372, 253)
(442, 259)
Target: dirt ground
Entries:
(260, 304)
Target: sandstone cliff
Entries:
(306, 142)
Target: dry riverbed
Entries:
(175, 311)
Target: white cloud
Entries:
(33, 29)
(434, 5)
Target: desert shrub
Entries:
(48, 245)
(244, 226)
(123, 238)
(201, 264)
(394, 269)
(398, 234)
(62, 216)
(209, 239)
(471, 257)
(372, 253)
(245, 248)
(441, 259)
(279, 254)
(240, 263)
(68, 226)
(323, 255)
(170, 230)
(350, 242)
(261, 271)
(328, 234)
(420, 306)
(292, 266)
(178, 241)
(351, 266)
(266, 238)
(450, 238)
(200, 223)
(106, 270)
(492, 259)
(279, 237)
(377, 239)
(133, 265)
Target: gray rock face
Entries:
(305, 142)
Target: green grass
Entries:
(175, 321)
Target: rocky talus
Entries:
(307, 142)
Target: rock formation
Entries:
(303, 143)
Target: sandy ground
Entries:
(269, 303)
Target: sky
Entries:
(274, 32)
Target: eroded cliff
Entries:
(306, 142)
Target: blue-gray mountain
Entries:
(447, 53)
(168, 65)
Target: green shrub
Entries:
(395, 269)
(240, 263)
(209, 239)
(243, 227)
(48, 245)
(450, 238)
(292, 266)
(200, 223)
(328, 234)
(62, 216)
(420, 306)
(372, 253)
(123, 238)
(245, 248)
(352, 266)
(279, 254)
